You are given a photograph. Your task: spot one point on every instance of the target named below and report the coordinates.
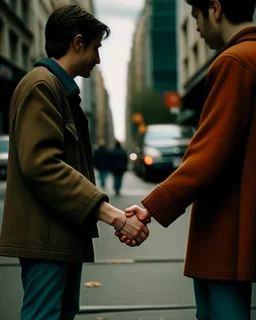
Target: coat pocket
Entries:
(70, 132)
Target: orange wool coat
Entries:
(218, 173)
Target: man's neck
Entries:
(65, 65)
(231, 30)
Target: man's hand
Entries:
(134, 230)
(142, 214)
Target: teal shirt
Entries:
(66, 80)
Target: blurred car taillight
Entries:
(148, 160)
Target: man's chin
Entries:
(85, 75)
(212, 47)
(215, 46)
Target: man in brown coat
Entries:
(51, 203)
(218, 172)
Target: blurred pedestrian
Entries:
(51, 203)
(118, 162)
(218, 171)
(101, 161)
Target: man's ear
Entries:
(78, 41)
(216, 9)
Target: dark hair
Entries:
(236, 11)
(65, 23)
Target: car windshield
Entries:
(4, 146)
(170, 133)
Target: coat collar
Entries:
(247, 34)
(67, 82)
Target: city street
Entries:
(141, 85)
(144, 283)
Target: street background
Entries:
(142, 283)
(153, 71)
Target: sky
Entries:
(121, 17)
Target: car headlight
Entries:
(153, 152)
(133, 156)
(175, 150)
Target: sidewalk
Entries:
(140, 288)
(143, 283)
(123, 286)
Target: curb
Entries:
(110, 261)
(109, 309)
(135, 308)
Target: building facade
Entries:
(103, 115)
(95, 100)
(15, 43)
(152, 69)
(21, 44)
(139, 67)
(163, 45)
(194, 58)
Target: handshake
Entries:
(133, 230)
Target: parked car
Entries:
(4, 149)
(161, 149)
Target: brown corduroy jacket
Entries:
(51, 195)
(218, 173)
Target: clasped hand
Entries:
(130, 234)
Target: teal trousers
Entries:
(51, 289)
(222, 300)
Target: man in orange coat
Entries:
(218, 171)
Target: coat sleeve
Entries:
(230, 92)
(40, 146)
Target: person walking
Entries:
(217, 173)
(101, 162)
(51, 203)
(118, 162)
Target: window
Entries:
(165, 132)
(13, 4)
(13, 46)
(4, 145)
(195, 55)
(25, 56)
(185, 69)
(25, 10)
(1, 37)
(41, 38)
(185, 36)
